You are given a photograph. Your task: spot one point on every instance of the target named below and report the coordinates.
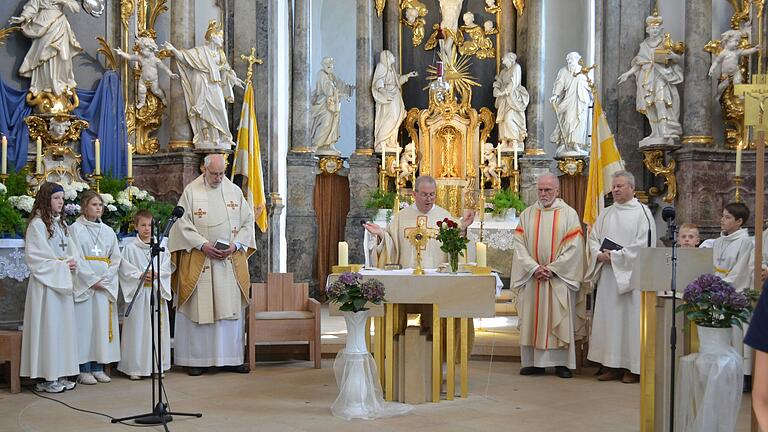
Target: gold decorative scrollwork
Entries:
(39, 128)
(126, 10)
(143, 122)
(460, 83)
(415, 11)
(4, 33)
(331, 164)
(411, 119)
(49, 103)
(487, 119)
(380, 4)
(571, 166)
(519, 6)
(654, 162)
(106, 50)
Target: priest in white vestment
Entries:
(615, 339)
(547, 269)
(96, 291)
(392, 245)
(140, 326)
(733, 256)
(211, 284)
(48, 345)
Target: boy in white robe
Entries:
(140, 327)
(48, 346)
(96, 289)
(732, 255)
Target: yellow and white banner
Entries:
(604, 160)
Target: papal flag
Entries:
(248, 159)
(604, 160)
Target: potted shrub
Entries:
(380, 203)
(503, 201)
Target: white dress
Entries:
(48, 345)
(98, 335)
(136, 356)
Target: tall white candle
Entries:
(498, 155)
(515, 158)
(413, 151)
(130, 160)
(4, 167)
(39, 156)
(481, 254)
(383, 158)
(97, 157)
(738, 161)
(397, 157)
(343, 253)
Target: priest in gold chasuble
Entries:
(211, 284)
(393, 246)
(548, 269)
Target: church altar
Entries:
(462, 295)
(12, 264)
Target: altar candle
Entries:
(39, 158)
(481, 254)
(498, 155)
(343, 253)
(738, 160)
(97, 156)
(130, 160)
(413, 151)
(4, 167)
(397, 157)
(383, 158)
(515, 158)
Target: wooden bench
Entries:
(10, 351)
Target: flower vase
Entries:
(453, 260)
(710, 384)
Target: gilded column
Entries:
(300, 77)
(534, 71)
(182, 36)
(697, 87)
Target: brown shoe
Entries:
(610, 375)
(630, 378)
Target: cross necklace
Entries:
(57, 229)
(95, 249)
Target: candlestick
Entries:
(413, 151)
(130, 160)
(343, 253)
(498, 155)
(515, 158)
(481, 254)
(4, 166)
(39, 156)
(738, 160)
(97, 157)
(397, 156)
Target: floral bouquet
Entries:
(353, 293)
(453, 242)
(709, 301)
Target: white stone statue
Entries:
(657, 72)
(489, 28)
(326, 109)
(491, 7)
(150, 63)
(570, 99)
(511, 101)
(449, 13)
(49, 60)
(407, 162)
(208, 81)
(489, 158)
(727, 61)
(94, 7)
(390, 109)
(58, 127)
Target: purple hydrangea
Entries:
(712, 302)
(372, 290)
(335, 290)
(350, 278)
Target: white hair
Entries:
(627, 175)
(209, 159)
(549, 175)
(424, 179)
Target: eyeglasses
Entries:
(427, 195)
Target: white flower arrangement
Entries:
(24, 203)
(107, 199)
(3, 189)
(111, 207)
(71, 190)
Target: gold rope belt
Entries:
(722, 270)
(108, 261)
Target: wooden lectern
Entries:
(652, 274)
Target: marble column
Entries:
(392, 29)
(507, 25)
(533, 65)
(301, 221)
(182, 36)
(697, 87)
(300, 76)
(369, 45)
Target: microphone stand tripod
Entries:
(160, 413)
(673, 330)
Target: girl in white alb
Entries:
(96, 288)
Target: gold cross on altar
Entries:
(419, 237)
(755, 96)
(233, 205)
(200, 213)
(251, 59)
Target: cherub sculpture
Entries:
(489, 166)
(407, 163)
(491, 7)
(149, 63)
(478, 44)
(727, 61)
(415, 11)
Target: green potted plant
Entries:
(504, 200)
(379, 202)
(11, 222)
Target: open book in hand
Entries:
(610, 245)
(221, 245)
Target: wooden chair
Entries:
(10, 351)
(281, 311)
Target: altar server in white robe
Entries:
(547, 269)
(211, 285)
(615, 339)
(96, 290)
(140, 326)
(393, 247)
(732, 254)
(48, 345)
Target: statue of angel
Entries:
(150, 63)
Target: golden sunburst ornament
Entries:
(457, 75)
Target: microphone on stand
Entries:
(668, 214)
(177, 212)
